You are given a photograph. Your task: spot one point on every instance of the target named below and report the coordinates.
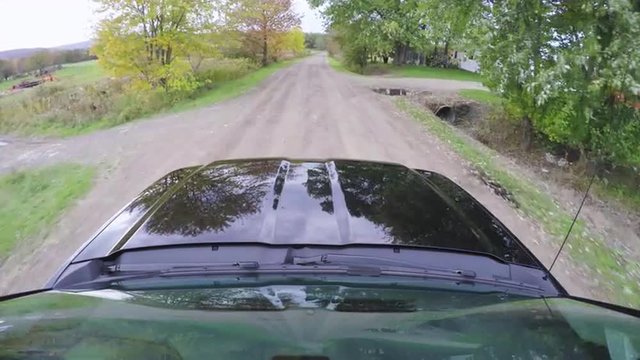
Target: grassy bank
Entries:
(83, 100)
(617, 274)
(621, 185)
(34, 199)
(481, 96)
(336, 64)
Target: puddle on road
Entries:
(391, 91)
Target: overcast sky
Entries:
(59, 22)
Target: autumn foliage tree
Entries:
(145, 38)
(262, 22)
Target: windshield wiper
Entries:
(326, 263)
(376, 262)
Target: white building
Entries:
(465, 62)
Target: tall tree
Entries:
(145, 37)
(7, 69)
(40, 60)
(262, 20)
(377, 28)
(570, 72)
(520, 47)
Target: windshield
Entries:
(284, 321)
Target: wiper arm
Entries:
(376, 262)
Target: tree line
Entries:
(568, 70)
(41, 60)
(163, 43)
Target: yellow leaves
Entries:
(142, 39)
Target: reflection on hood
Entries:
(333, 203)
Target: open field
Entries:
(79, 103)
(77, 73)
(81, 73)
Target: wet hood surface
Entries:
(307, 202)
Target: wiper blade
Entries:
(327, 263)
(376, 262)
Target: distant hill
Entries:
(81, 45)
(20, 53)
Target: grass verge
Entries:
(434, 73)
(617, 274)
(628, 196)
(414, 71)
(337, 65)
(34, 199)
(481, 96)
(233, 88)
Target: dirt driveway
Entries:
(305, 111)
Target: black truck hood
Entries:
(280, 202)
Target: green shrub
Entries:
(215, 71)
(57, 106)
(66, 108)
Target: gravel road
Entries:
(304, 111)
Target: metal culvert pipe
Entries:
(446, 113)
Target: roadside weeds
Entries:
(81, 104)
(616, 274)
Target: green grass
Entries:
(34, 199)
(414, 71)
(233, 88)
(481, 96)
(336, 64)
(77, 73)
(128, 107)
(80, 73)
(620, 277)
(628, 196)
(434, 73)
(7, 84)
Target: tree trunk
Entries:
(527, 133)
(385, 59)
(265, 58)
(396, 55)
(167, 55)
(446, 53)
(399, 56)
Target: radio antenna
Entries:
(575, 218)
